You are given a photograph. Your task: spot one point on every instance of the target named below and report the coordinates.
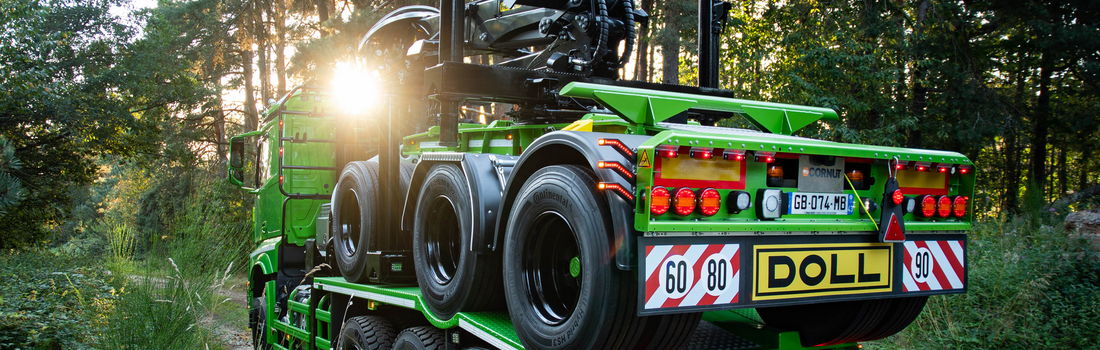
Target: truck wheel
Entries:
(903, 312)
(258, 313)
(847, 321)
(420, 338)
(366, 333)
(669, 331)
(561, 287)
(354, 216)
(452, 278)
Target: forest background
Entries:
(115, 216)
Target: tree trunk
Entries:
(670, 51)
(219, 122)
(323, 13)
(280, 45)
(261, 52)
(1038, 173)
(641, 66)
(251, 119)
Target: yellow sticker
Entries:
(922, 179)
(693, 169)
(786, 271)
(643, 160)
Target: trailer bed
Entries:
(717, 331)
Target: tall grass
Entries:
(1029, 288)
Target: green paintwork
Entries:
(636, 111)
(649, 107)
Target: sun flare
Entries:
(355, 89)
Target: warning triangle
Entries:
(894, 233)
(643, 159)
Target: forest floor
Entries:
(229, 321)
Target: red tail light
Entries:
(684, 201)
(927, 206)
(765, 157)
(734, 155)
(943, 169)
(897, 197)
(668, 151)
(710, 201)
(965, 169)
(701, 153)
(659, 200)
(960, 206)
(899, 166)
(944, 206)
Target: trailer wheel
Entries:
(354, 216)
(561, 287)
(452, 278)
(847, 321)
(903, 312)
(258, 313)
(669, 331)
(420, 338)
(366, 333)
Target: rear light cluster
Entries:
(684, 201)
(940, 168)
(942, 206)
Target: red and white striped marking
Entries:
(934, 265)
(692, 275)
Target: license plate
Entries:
(809, 270)
(820, 203)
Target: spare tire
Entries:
(354, 216)
(452, 277)
(845, 321)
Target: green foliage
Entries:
(1027, 289)
(51, 301)
(11, 188)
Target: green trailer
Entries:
(504, 189)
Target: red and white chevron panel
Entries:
(692, 275)
(934, 265)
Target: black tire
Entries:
(903, 312)
(366, 333)
(354, 216)
(420, 338)
(451, 277)
(558, 215)
(258, 314)
(847, 321)
(669, 331)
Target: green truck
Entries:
(488, 205)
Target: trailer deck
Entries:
(730, 329)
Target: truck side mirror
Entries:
(236, 153)
(236, 160)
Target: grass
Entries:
(1029, 287)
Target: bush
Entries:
(51, 301)
(1028, 288)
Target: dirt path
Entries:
(229, 321)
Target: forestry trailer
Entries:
(501, 187)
